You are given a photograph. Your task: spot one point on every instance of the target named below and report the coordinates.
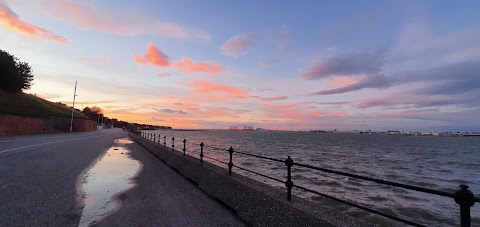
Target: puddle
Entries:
(111, 174)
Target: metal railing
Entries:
(463, 196)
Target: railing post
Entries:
(184, 149)
(173, 143)
(154, 138)
(159, 138)
(289, 183)
(201, 152)
(164, 141)
(230, 164)
(465, 199)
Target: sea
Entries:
(433, 162)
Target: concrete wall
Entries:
(255, 203)
(21, 125)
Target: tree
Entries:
(14, 74)
(93, 112)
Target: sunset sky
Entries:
(404, 65)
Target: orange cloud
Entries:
(153, 56)
(188, 66)
(271, 99)
(12, 22)
(206, 87)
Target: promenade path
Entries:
(39, 176)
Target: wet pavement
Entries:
(39, 176)
(113, 173)
(54, 180)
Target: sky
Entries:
(304, 65)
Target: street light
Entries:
(73, 106)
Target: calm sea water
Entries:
(440, 163)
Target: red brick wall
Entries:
(82, 125)
(20, 125)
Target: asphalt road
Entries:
(39, 176)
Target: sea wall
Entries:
(21, 125)
(255, 203)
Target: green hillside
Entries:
(30, 105)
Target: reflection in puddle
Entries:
(123, 141)
(110, 175)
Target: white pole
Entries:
(73, 106)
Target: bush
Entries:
(14, 74)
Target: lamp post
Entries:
(73, 106)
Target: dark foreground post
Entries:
(164, 141)
(230, 164)
(465, 199)
(184, 149)
(159, 138)
(201, 152)
(154, 138)
(289, 183)
(173, 143)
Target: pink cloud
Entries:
(271, 99)
(153, 56)
(217, 112)
(188, 106)
(331, 114)
(303, 116)
(237, 45)
(188, 66)
(343, 81)
(288, 106)
(12, 22)
(164, 75)
(207, 87)
(96, 59)
(280, 107)
(127, 22)
(372, 102)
